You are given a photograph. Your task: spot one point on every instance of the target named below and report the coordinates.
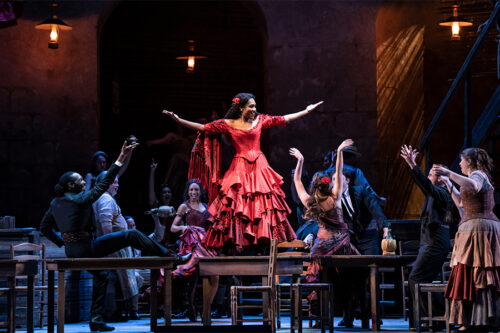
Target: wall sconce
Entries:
(54, 25)
(191, 57)
(455, 22)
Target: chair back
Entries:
(271, 273)
(298, 246)
(30, 251)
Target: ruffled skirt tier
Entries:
(250, 207)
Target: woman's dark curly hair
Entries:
(234, 111)
(186, 189)
(319, 191)
(93, 168)
(479, 160)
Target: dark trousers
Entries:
(367, 243)
(103, 246)
(426, 268)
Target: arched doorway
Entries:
(140, 76)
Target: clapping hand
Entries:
(439, 170)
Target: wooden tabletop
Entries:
(250, 265)
(365, 260)
(109, 263)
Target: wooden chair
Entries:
(268, 291)
(37, 252)
(297, 295)
(283, 290)
(430, 288)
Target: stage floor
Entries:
(389, 325)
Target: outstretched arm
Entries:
(189, 124)
(297, 115)
(152, 195)
(464, 182)
(337, 186)
(301, 191)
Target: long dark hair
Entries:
(239, 101)
(186, 189)
(319, 191)
(62, 186)
(479, 160)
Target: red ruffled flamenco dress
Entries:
(248, 206)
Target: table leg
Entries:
(61, 299)
(154, 300)
(374, 296)
(30, 295)
(11, 284)
(167, 297)
(265, 302)
(50, 309)
(206, 301)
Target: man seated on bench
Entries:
(71, 212)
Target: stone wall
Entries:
(315, 50)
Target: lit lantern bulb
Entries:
(53, 33)
(455, 30)
(190, 64)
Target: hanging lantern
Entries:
(55, 25)
(190, 57)
(455, 22)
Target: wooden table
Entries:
(373, 262)
(89, 264)
(10, 268)
(242, 266)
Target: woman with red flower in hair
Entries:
(247, 205)
(323, 203)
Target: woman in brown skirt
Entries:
(474, 285)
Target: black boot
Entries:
(100, 327)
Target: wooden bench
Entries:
(10, 268)
(373, 262)
(89, 264)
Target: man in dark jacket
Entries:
(436, 217)
(71, 213)
(364, 216)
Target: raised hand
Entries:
(126, 150)
(345, 143)
(295, 152)
(409, 155)
(311, 107)
(172, 115)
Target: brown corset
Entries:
(478, 205)
(333, 221)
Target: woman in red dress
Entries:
(249, 207)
